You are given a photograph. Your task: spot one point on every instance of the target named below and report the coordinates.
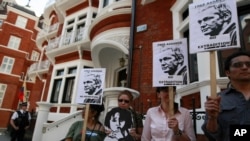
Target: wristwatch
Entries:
(178, 133)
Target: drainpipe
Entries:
(44, 85)
(131, 42)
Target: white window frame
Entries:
(3, 88)
(21, 22)
(35, 55)
(63, 77)
(4, 3)
(14, 42)
(7, 64)
(27, 95)
(73, 24)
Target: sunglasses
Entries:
(241, 64)
(125, 100)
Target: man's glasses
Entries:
(241, 64)
(125, 100)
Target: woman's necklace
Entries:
(88, 138)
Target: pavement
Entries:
(4, 136)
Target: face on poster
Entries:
(170, 64)
(213, 25)
(118, 122)
(90, 86)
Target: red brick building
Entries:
(18, 51)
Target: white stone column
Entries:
(42, 117)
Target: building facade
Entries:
(18, 51)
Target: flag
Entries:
(22, 92)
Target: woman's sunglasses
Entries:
(125, 100)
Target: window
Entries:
(105, 3)
(66, 76)
(244, 27)
(192, 61)
(1, 23)
(57, 86)
(94, 15)
(14, 42)
(4, 3)
(21, 22)
(35, 55)
(82, 17)
(72, 70)
(71, 22)
(60, 72)
(68, 89)
(122, 77)
(69, 85)
(108, 2)
(56, 90)
(67, 36)
(7, 64)
(80, 32)
(181, 25)
(75, 29)
(27, 95)
(3, 88)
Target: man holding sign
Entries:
(231, 107)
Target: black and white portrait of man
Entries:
(170, 63)
(92, 84)
(90, 87)
(217, 19)
(213, 25)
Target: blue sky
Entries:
(36, 5)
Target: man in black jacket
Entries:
(20, 121)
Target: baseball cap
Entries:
(24, 104)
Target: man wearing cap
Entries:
(20, 121)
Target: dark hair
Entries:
(97, 108)
(124, 115)
(24, 104)
(228, 60)
(159, 89)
